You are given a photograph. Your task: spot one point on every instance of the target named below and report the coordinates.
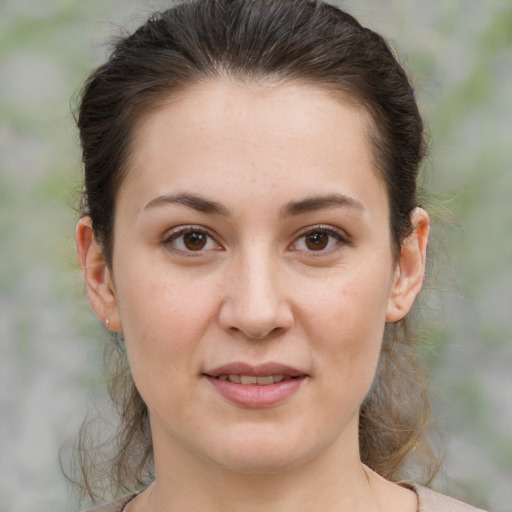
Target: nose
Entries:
(255, 302)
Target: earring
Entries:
(107, 322)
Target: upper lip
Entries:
(260, 370)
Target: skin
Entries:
(256, 292)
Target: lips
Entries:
(260, 380)
(255, 386)
(261, 370)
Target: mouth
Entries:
(256, 386)
(255, 375)
(255, 380)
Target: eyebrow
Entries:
(293, 208)
(191, 201)
(316, 203)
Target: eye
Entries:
(319, 239)
(190, 239)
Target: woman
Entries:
(252, 228)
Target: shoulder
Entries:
(431, 501)
(115, 506)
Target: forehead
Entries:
(299, 109)
(287, 138)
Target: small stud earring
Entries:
(107, 322)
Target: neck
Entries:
(321, 483)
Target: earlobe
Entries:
(410, 270)
(97, 276)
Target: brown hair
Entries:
(259, 41)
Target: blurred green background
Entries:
(460, 56)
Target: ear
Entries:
(410, 269)
(97, 275)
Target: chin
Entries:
(266, 453)
(260, 463)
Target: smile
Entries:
(259, 386)
(263, 380)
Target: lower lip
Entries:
(256, 396)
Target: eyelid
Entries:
(176, 232)
(343, 239)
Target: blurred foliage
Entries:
(460, 55)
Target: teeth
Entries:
(252, 379)
(262, 381)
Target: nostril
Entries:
(257, 315)
(260, 335)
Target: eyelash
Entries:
(340, 240)
(169, 242)
(171, 238)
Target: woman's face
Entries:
(253, 274)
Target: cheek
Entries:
(345, 323)
(344, 304)
(164, 320)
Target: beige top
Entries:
(429, 501)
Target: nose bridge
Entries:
(258, 280)
(255, 300)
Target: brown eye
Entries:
(189, 240)
(195, 241)
(320, 239)
(316, 241)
